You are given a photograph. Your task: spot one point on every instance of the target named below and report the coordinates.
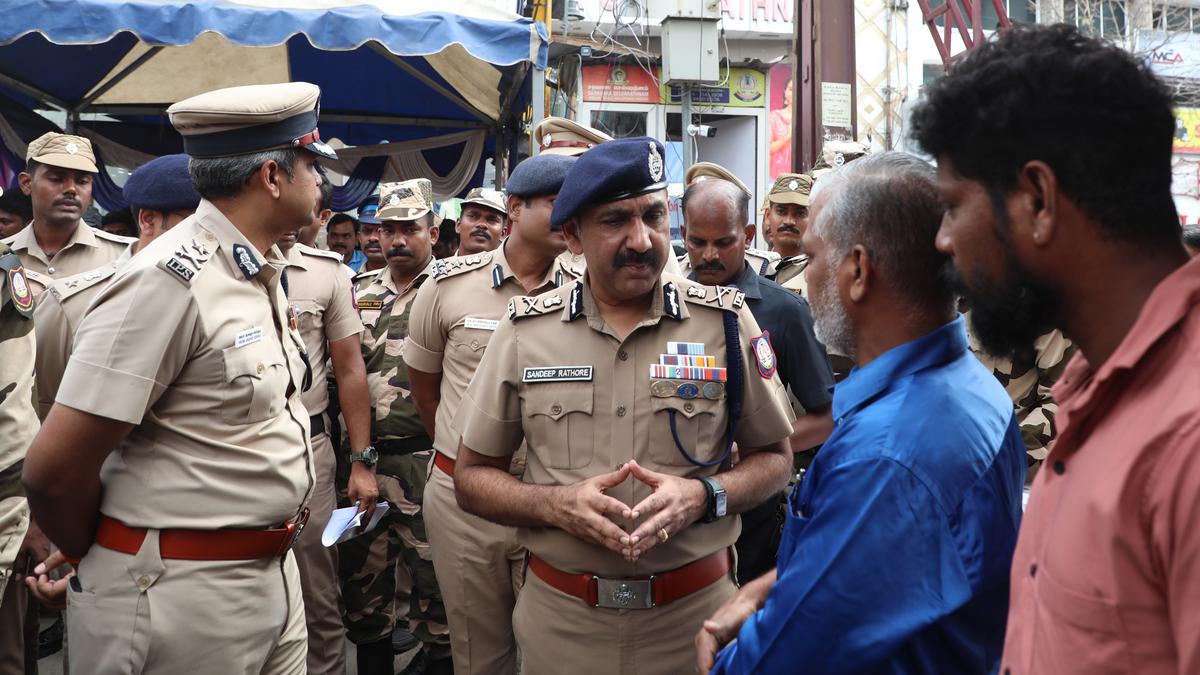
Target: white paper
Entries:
(342, 523)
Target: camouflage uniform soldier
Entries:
(1028, 377)
(402, 449)
(18, 424)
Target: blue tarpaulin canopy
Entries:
(437, 80)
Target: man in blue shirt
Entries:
(898, 541)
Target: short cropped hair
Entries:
(220, 177)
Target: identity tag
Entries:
(248, 336)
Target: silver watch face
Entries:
(721, 504)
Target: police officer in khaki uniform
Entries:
(561, 136)
(399, 464)
(630, 388)
(18, 424)
(480, 565)
(787, 218)
(161, 195)
(481, 221)
(189, 361)
(321, 299)
(58, 178)
(762, 262)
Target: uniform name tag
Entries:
(248, 336)
(483, 324)
(370, 304)
(558, 374)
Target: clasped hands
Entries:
(586, 511)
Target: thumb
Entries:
(643, 474)
(615, 478)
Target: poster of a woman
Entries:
(781, 120)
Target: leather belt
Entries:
(226, 544)
(316, 425)
(403, 446)
(444, 463)
(637, 592)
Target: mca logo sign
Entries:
(1166, 57)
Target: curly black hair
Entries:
(1092, 111)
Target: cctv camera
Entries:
(702, 130)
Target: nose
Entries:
(708, 253)
(639, 239)
(943, 241)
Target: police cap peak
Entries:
(709, 171)
(540, 175)
(616, 170)
(405, 200)
(62, 150)
(791, 188)
(251, 118)
(561, 136)
(368, 211)
(162, 184)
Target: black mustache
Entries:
(715, 266)
(788, 228)
(626, 257)
(398, 253)
(485, 233)
(73, 202)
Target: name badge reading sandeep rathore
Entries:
(558, 374)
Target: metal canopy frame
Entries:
(963, 16)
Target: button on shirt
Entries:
(210, 373)
(896, 549)
(1106, 576)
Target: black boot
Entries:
(375, 658)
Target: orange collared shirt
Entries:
(1106, 575)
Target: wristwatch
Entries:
(368, 456)
(717, 507)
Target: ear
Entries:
(858, 273)
(26, 182)
(571, 234)
(434, 230)
(271, 176)
(751, 230)
(1038, 200)
(514, 207)
(149, 221)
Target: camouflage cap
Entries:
(710, 171)
(406, 200)
(791, 188)
(492, 199)
(65, 150)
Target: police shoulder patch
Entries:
(15, 285)
(68, 286)
(186, 261)
(764, 354)
(717, 297)
(445, 268)
(523, 306)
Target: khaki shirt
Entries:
(790, 273)
(603, 408)
(87, 249)
(322, 297)
(58, 315)
(18, 421)
(452, 320)
(385, 312)
(191, 342)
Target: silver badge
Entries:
(839, 159)
(793, 185)
(656, 163)
(72, 148)
(394, 200)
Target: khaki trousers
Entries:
(318, 569)
(559, 633)
(480, 568)
(14, 606)
(142, 614)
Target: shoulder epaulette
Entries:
(319, 253)
(523, 306)
(445, 268)
(115, 238)
(715, 297)
(66, 287)
(187, 259)
(364, 279)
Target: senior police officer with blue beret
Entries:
(160, 194)
(184, 383)
(630, 388)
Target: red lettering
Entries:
(781, 11)
(758, 8)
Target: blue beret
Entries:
(540, 175)
(609, 172)
(368, 210)
(162, 184)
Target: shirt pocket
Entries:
(1084, 631)
(469, 340)
(255, 383)
(560, 425)
(309, 315)
(697, 429)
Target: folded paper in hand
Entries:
(342, 523)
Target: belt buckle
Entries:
(624, 593)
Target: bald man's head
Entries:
(716, 214)
(707, 193)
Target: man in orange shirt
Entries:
(1059, 214)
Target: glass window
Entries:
(1113, 19)
(1178, 18)
(1195, 20)
(619, 124)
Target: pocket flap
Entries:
(688, 407)
(252, 360)
(555, 402)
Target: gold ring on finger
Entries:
(662, 535)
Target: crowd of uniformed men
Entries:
(582, 443)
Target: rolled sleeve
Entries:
(426, 340)
(489, 417)
(130, 346)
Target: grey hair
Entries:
(740, 200)
(887, 203)
(218, 177)
(1191, 235)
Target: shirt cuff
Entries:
(485, 434)
(424, 360)
(105, 392)
(765, 425)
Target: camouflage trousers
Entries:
(367, 564)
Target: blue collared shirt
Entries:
(896, 552)
(357, 260)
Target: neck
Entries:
(404, 279)
(787, 250)
(52, 238)
(621, 316)
(371, 265)
(1100, 309)
(246, 216)
(889, 329)
(528, 264)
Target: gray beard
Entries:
(831, 323)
